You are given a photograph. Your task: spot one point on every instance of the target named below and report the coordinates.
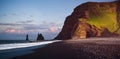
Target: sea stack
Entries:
(27, 39)
(40, 37)
(91, 19)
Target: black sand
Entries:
(78, 49)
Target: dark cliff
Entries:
(91, 19)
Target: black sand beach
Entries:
(93, 48)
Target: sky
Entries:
(21, 17)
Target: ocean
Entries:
(12, 41)
(12, 48)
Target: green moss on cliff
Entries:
(107, 20)
(103, 16)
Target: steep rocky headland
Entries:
(91, 19)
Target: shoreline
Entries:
(8, 51)
(77, 49)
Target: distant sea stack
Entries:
(27, 39)
(40, 37)
(91, 19)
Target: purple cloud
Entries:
(12, 24)
(26, 21)
(35, 27)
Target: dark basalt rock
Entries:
(40, 37)
(27, 39)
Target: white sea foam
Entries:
(23, 45)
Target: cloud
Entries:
(35, 27)
(53, 29)
(25, 26)
(15, 31)
(49, 26)
(26, 21)
(12, 24)
(49, 29)
(11, 31)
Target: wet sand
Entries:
(92, 48)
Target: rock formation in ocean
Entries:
(91, 19)
(27, 39)
(40, 37)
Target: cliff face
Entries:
(91, 19)
(118, 14)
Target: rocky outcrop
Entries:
(76, 25)
(27, 39)
(40, 37)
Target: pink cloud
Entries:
(15, 31)
(11, 30)
(53, 29)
